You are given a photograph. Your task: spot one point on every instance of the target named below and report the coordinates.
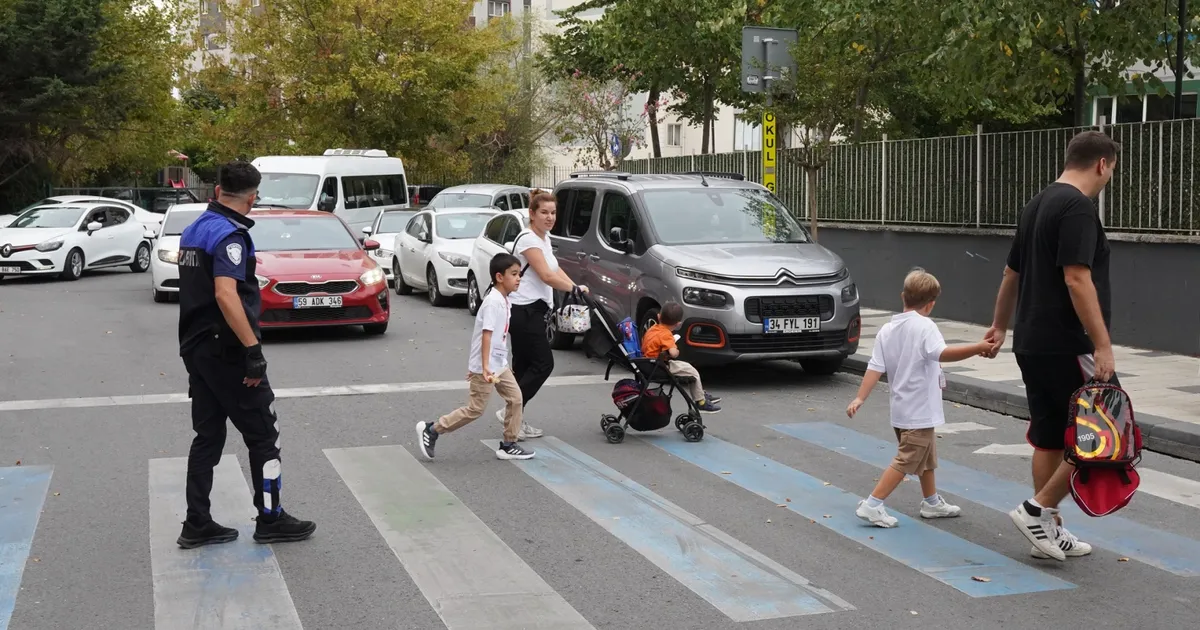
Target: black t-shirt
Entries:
(1059, 227)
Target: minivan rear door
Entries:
(611, 267)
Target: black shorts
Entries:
(1050, 382)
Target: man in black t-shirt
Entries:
(1057, 280)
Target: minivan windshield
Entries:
(287, 190)
(694, 216)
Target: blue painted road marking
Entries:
(22, 493)
(938, 554)
(739, 581)
(1167, 551)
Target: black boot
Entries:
(282, 528)
(210, 533)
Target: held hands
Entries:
(256, 366)
(1106, 364)
(853, 408)
(995, 339)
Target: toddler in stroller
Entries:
(644, 401)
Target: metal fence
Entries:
(981, 180)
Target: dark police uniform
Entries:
(218, 244)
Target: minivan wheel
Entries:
(821, 367)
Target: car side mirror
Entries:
(367, 230)
(370, 245)
(326, 203)
(149, 235)
(509, 246)
(93, 226)
(616, 236)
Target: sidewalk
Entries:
(1164, 388)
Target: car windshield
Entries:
(363, 216)
(52, 217)
(287, 190)
(462, 225)
(394, 222)
(463, 200)
(285, 234)
(178, 220)
(694, 216)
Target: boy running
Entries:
(910, 349)
(660, 337)
(487, 367)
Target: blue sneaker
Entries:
(708, 407)
(712, 399)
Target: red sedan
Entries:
(312, 271)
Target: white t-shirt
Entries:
(909, 349)
(532, 287)
(493, 316)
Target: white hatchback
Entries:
(387, 226)
(434, 250)
(164, 264)
(67, 239)
(497, 237)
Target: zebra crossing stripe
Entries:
(1155, 547)
(469, 576)
(737, 580)
(929, 550)
(22, 494)
(231, 585)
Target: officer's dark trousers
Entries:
(217, 392)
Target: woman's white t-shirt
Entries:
(533, 288)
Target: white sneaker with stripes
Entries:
(1040, 530)
(1070, 544)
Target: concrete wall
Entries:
(1156, 285)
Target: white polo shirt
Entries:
(908, 349)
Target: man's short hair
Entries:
(238, 177)
(920, 288)
(671, 314)
(1088, 147)
(501, 263)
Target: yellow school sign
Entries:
(768, 153)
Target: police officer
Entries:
(219, 341)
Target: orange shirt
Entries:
(657, 339)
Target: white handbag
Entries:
(574, 317)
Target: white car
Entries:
(497, 237)
(433, 251)
(387, 226)
(66, 239)
(151, 221)
(164, 265)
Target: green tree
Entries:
(589, 112)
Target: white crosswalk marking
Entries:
(229, 586)
(1006, 449)
(961, 427)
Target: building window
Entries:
(212, 41)
(1134, 109)
(747, 136)
(499, 8)
(675, 135)
(203, 7)
(256, 3)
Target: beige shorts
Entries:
(917, 452)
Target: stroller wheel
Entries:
(606, 420)
(615, 434)
(682, 420)
(693, 432)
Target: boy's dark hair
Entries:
(238, 177)
(671, 314)
(1088, 147)
(501, 263)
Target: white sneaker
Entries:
(876, 516)
(1042, 530)
(526, 431)
(1071, 546)
(941, 510)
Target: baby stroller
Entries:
(644, 401)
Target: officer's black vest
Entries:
(199, 314)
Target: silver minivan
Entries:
(752, 282)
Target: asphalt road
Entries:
(650, 533)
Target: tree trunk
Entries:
(810, 178)
(860, 107)
(1080, 66)
(652, 113)
(707, 124)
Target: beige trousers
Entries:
(479, 392)
(683, 368)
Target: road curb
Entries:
(1161, 435)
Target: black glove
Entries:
(256, 364)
